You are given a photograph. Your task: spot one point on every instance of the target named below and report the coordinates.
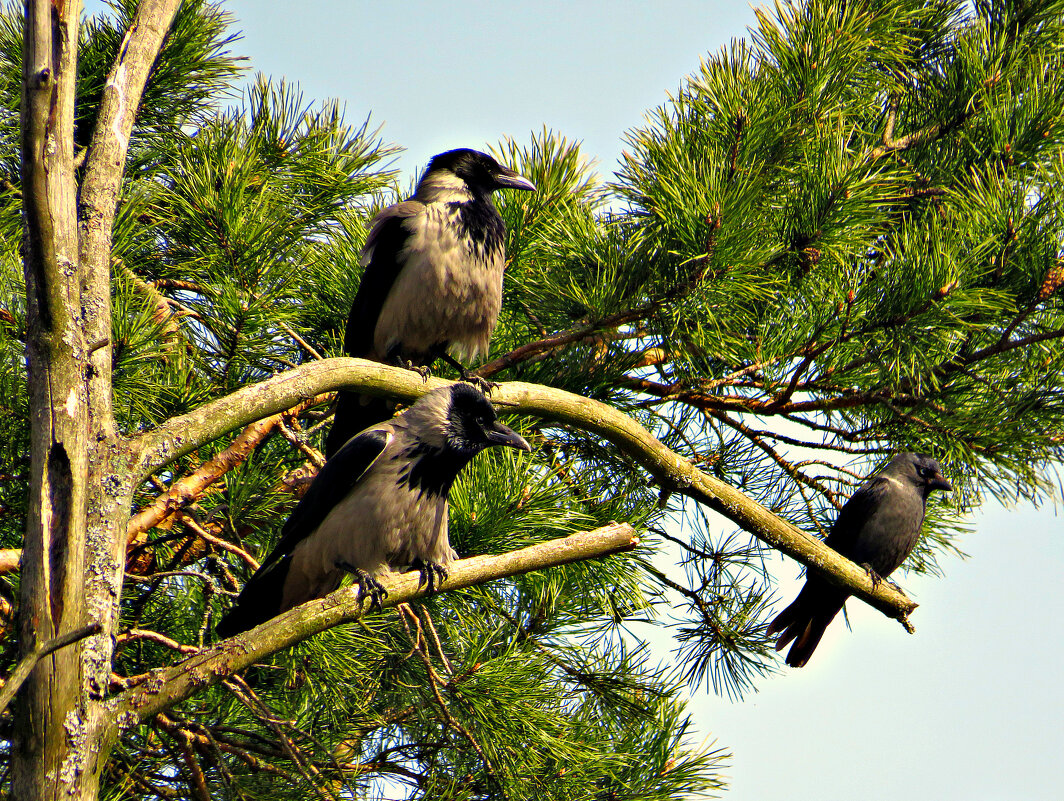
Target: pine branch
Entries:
(169, 685)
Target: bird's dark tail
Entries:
(806, 620)
(354, 413)
(258, 601)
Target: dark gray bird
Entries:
(379, 502)
(433, 281)
(877, 528)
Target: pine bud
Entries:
(945, 290)
(1054, 278)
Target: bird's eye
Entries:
(925, 472)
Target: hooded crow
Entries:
(379, 502)
(433, 280)
(877, 528)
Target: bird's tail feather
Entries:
(805, 621)
(258, 601)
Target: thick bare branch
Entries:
(169, 685)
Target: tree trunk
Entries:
(52, 736)
(82, 471)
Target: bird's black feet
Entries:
(421, 369)
(872, 574)
(432, 574)
(483, 384)
(368, 587)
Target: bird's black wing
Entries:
(855, 513)
(334, 481)
(383, 247)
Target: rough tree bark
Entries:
(52, 707)
(81, 477)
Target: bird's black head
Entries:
(921, 470)
(450, 425)
(472, 424)
(479, 171)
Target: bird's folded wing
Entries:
(335, 480)
(381, 258)
(855, 513)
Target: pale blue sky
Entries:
(968, 709)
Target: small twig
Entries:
(417, 645)
(156, 637)
(301, 342)
(452, 722)
(29, 661)
(197, 781)
(206, 536)
(313, 454)
(247, 696)
(436, 640)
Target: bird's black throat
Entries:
(432, 470)
(479, 222)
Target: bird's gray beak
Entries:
(508, 179)
(938, 481)
(498, 434)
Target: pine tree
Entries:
(840, 239)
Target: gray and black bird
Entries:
(432, 287)
(379, 503)
(877, 528)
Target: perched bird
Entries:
(433, 281)
(379, 502)
(877, 528)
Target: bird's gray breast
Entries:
(448, 292)
(381, 522)
(892, 530)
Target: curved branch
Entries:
(679, 474)
(181, 435)
(186, 433)
(167, 686)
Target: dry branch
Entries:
(27, 663)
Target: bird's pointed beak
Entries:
(508, 179)
(498, 434)
(939, 481)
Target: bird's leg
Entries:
(396, 357)
(483, 384)
(872, 574)
(421, 369)
(432, 574)
(368, 587)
